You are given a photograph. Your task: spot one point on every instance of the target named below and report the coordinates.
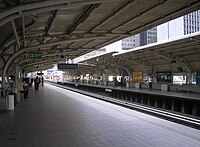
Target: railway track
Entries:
(168, 115)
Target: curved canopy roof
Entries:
(70, 28)
(178, 55)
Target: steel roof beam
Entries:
(84, 15)
(78, 35)
(10, 43)
(46, 57)
(15, 33)
(183, 62)
(58, 43)
(23, 32)
(116, 12)
(27, 49)
(9, 2)
(51, 21)
(38, 68)
(167, 17)
(51, 61)
(62, 42)
(4, 61)
(43, 6)
(158, 4)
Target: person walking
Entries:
(25, 87)
(36, 83)
(42, 79)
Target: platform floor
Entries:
(54, 117)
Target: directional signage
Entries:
(64, 66)
(40, 73)
(35, 55)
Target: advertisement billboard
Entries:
(137, 77)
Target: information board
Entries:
(165, 77)
(40, 73)
(64, 66)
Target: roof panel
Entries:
(94, 16)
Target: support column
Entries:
(194, 109)
(105, 79)
(164, 104)
(183, 107)
(142, 100)
(189, 78)
(17, 80)
(126, 96)
(148, 101)
(172, 104)
(156, 102)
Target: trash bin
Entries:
(10, 102)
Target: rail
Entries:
(175, 117)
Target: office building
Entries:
(144, 38)
(187, 24)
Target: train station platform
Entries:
(56, 117)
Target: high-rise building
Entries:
(148, 37)
(144, 38)
(129, 42)
(187, 24)
(191, 22)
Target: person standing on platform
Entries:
(122, 81)
(115, 81)
(37, 83)
(25, 87)
(42, 79)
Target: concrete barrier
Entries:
(137, 85)
(164, 87)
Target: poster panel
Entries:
(137, 77)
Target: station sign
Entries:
(65, 66)
(35, 55)
(40, 73)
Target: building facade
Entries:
(144, 38)
(130, 42)
(191, 22)
(187, 24)
(148, 37)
